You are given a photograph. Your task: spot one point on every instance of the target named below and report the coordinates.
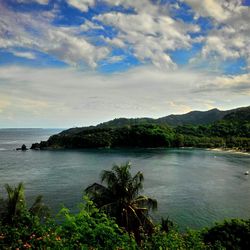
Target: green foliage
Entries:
(147, 135)
(91, 229)
(22, 227)
(173, 240)
(14, 205)
(167, 225)
(230, 234)
(233, 131)
(28, 233)
(13, 209)
(120, 199)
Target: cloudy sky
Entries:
(66, 63)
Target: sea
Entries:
(193, 187)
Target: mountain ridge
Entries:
(194, 117)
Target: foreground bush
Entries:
(91, 229)
(231, 234)
(174, 240)
(88, 229)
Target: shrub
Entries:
(230, 234)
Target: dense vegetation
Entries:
(96, 228)
(191, 118)
(120, 199)
(233, 131)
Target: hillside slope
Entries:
(232, 131)
(192, 118)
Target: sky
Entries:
(68, 63)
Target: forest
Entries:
(233, 131)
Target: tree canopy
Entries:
(120, 198)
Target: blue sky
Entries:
(70, 63)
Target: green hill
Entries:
(194, 117)
(230, 129)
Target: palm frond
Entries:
(109, 178)
(138, 178)
(15, 202)
(38, 208)
(95, 189)
(144, 201)
(123, 174)
(147, 223)
(99, 194)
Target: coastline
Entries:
(229, 150)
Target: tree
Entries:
(91, 229)
(231, 234)
(13, 206)
(120, 199)
(14, 209)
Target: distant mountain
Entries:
(191, 118)
(120, 122)
(194, 117)
(240, 114)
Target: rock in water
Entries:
(23, 148)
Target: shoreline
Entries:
(229, 150)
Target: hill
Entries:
(192, 118)
(195, 117)
(229, 129)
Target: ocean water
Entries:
(193, 187)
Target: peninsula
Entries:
(202, 129)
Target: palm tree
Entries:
(14, 204)
(14, 207)
(120, 199)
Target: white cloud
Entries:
(150, 37)
(115, 59)
(217, 44)
(232, 83)
(213, 8)
(87, 25)
(34, 30)
(140, 6)
(43, 2)
(229, 38)
(148, 32)
(219, 10)
(73, 49)
(82, 5)
(27, 55)
(117, 42)
(67, 97)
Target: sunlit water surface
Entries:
(193, 187)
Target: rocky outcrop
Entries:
(23, 148)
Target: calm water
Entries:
(193, 187)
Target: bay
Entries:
(193, 187)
